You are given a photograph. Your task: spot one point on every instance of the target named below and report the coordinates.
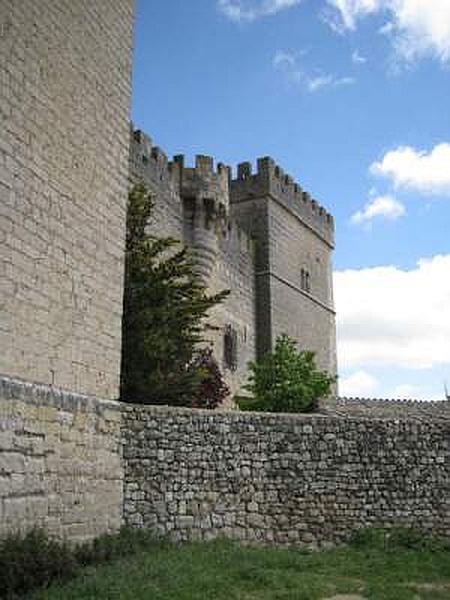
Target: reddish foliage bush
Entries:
(212, 390)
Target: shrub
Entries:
(31, 561)
(107, 548)
(34, 560)
(212, 390)
(285, 380)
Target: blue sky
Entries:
(351, 97)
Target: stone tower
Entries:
(65, 73)
(192, 204)
(258, 235)
(294, 242)
(204, 195)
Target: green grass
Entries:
(223, 570)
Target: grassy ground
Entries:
(225, 571)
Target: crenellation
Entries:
(204, 164)
(289, 182)
(265, 167)
(176, 167)
(244, 170)
(224, 171)
(271, 180)
(149, 161)
(205, 182)
(387, 408)
(160, 158)
(430, 404)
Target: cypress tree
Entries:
(164, 313)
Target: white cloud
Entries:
(322, 81)
(358, 385)
(387, 316)
(417, 170)
(382, 206)
(241, 11)
(422, 27)
(358, 59)
(418, 27)
(362, 384)
(405, 390)
(349, 11)
(284, 59)
(287, 63)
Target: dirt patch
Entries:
(430, 587)
(346, 597)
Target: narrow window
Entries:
(305, 280)
(230, 342)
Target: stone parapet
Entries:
(271, 181)
(383, 408)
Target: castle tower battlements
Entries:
(205, 195)
(271, 180)
(202, 181)
(148, 161)
(258, 234)
(219, 188)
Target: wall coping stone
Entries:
(249, 416)
(40, 393)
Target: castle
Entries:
(75, 461)
(257, 234)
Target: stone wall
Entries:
(294, 235)
(308, 480)
(227, 249)
(307, 316)
(79, 467)
(60, 462)
(234, 271)
(65, 89)
(149, 165)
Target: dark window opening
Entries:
(230, 343)
(305, 280)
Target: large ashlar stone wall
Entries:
(307, 480)
(65, 70)
(60, 462)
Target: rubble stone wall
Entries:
(307, 480)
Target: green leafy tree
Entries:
(285, 380)
(165, 310)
